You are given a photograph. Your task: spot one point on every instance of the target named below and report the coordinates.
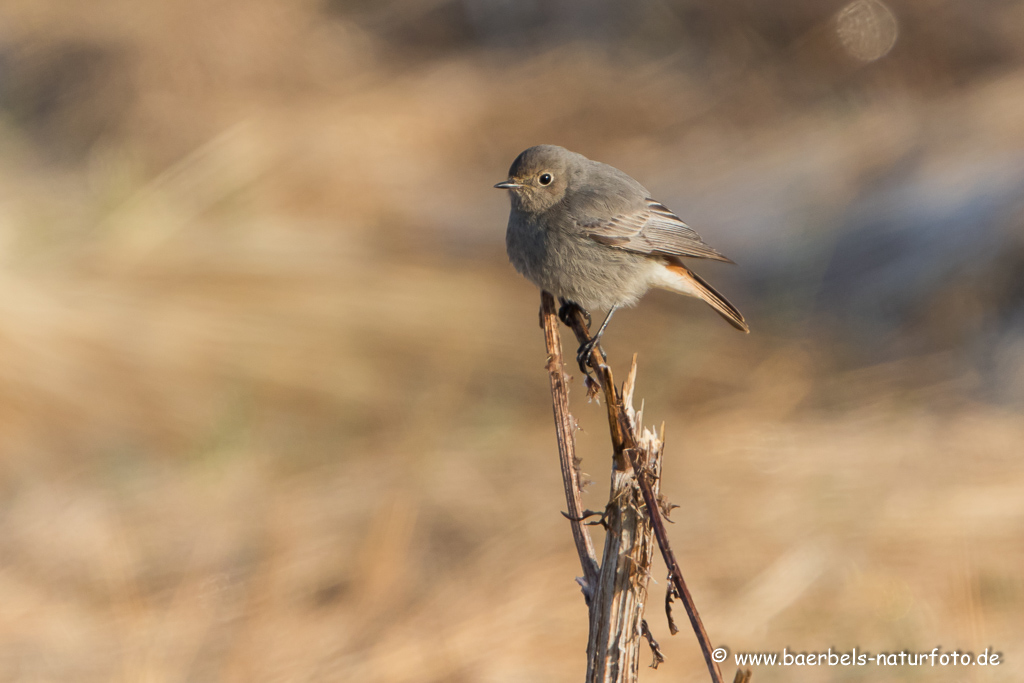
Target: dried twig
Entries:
(617, 590)
(626, 447)
(617, 594)
(564, 428)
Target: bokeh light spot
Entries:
(867, 29)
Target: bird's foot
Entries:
(583, 355)
(567, 309)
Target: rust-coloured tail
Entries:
(706, 292)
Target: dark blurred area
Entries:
(272, 402)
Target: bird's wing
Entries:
(649, 229)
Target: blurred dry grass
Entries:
(272, 402)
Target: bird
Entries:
(594, 237)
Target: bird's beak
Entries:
(508, 185)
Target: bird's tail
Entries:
(688, 282)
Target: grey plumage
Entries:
(651, 229)
(590, 234)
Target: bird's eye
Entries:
(545, 179)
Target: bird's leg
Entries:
(583, 355)
(566, 310)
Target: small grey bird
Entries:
(592, 236)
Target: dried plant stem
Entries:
(616, 605)
(616, 613)
(617, 592)
(565, 428)
(616, 620)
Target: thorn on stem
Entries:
(655, 648)
(666, 507)
(585, 515)
(670, 594)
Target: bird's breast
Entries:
(569, 264)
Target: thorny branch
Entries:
(564, 428)
(626, 456)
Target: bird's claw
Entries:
(583, 355)
(566, 310)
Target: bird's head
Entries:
(539, 177)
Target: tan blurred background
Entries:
(273, 404)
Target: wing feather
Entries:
(653, 229)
